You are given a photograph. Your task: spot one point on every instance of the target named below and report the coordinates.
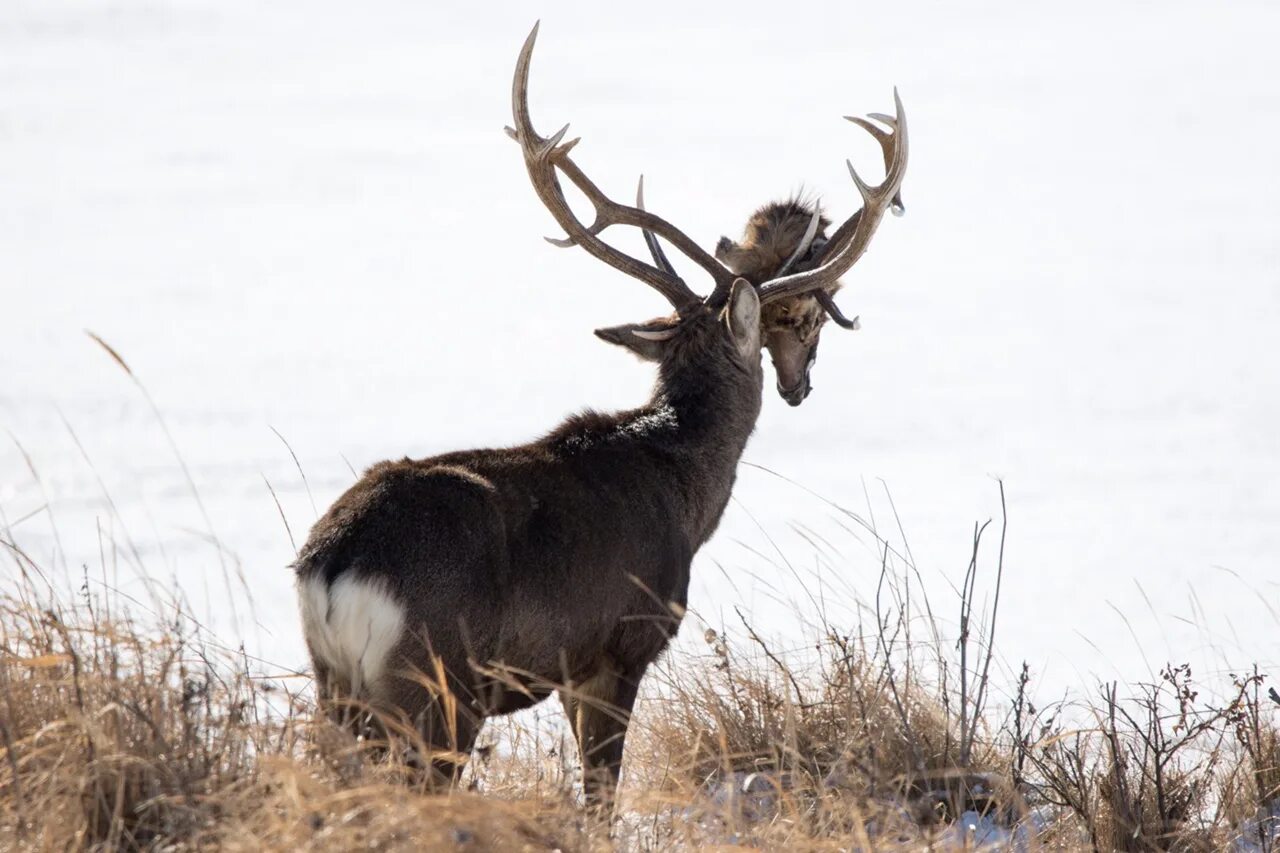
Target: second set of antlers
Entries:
(543, 156)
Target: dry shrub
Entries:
(115, 736)
(845, 753)
(1159, 769)
(863, 739)
(843, 724)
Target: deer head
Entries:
(790, 327)
(791, 235)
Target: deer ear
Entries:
(742, 316)
(728, 253)
(647, 340)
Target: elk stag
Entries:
(436, 592)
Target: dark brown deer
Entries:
(439, 591)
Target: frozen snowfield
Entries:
(305, 217)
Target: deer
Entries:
(437, 592)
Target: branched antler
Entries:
(850, 241)
(543, 156)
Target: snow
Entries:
(735, 806)
(974, 831)
(1259, 834)
(306, 218)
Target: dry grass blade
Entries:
(115, 356)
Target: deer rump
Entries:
(496, 564)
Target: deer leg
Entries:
(334, 699)
(437, 722)
(599, 710)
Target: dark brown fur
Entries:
(562, 562)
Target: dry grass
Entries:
(119, 734)
(129, 728)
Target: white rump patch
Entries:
(352, 626)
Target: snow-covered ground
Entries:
(305, 218)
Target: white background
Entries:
(306, 216)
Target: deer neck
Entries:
(714, 408)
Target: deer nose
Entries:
(796, 394)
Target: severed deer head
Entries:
(786, 252)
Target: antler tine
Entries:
(850, 241)
(543, 157)
(829, 305)
(651, 239)
(886, 146)
(805, 242)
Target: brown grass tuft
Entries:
(123, 736)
